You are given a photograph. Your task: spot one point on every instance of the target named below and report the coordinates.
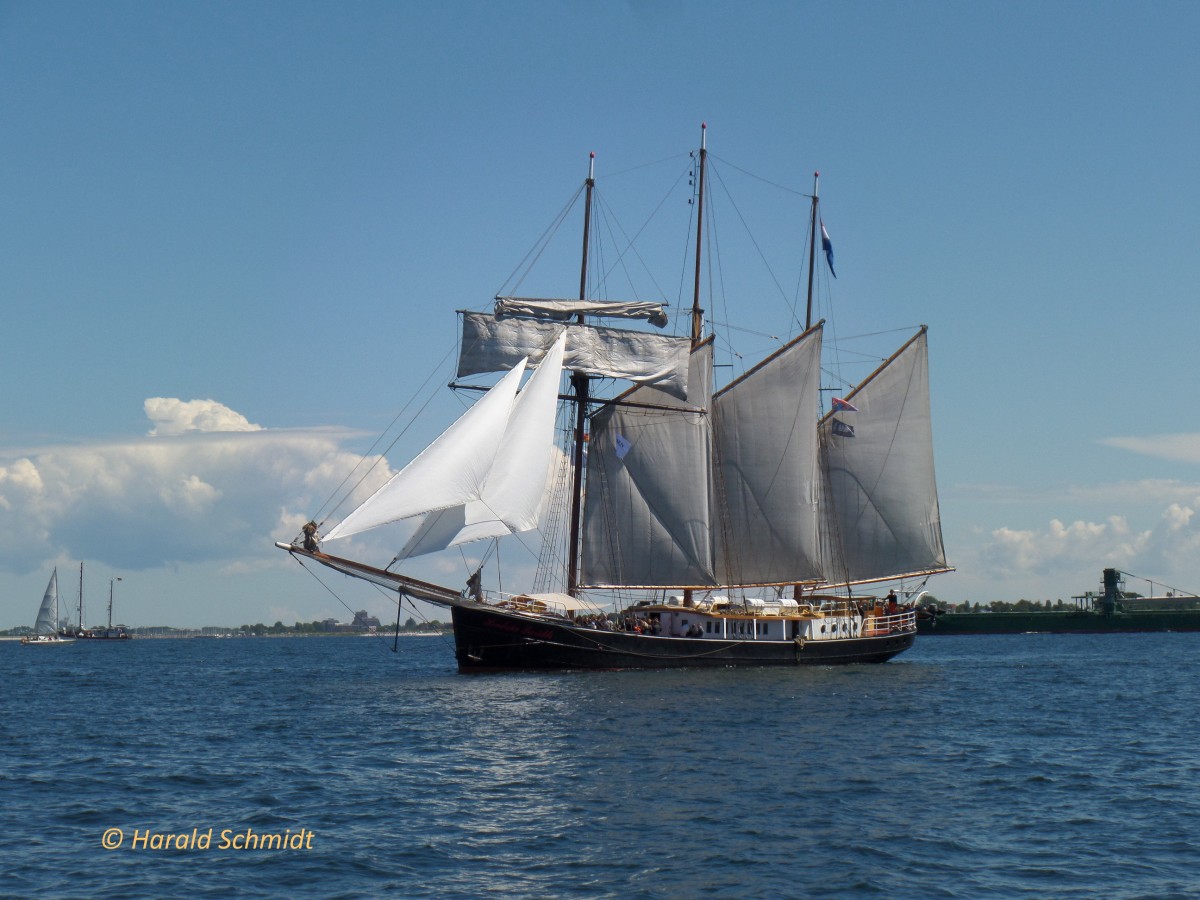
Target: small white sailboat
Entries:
(45, 629)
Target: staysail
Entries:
(511, 497)
(48, 611)
(452, 471)
(881, 515)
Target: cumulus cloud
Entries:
(205, 485)
(1045, 550)
(1075, 551)
(171, 416)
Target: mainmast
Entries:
(81, 596)
(812, 252)
(697, 312)
(579, 381)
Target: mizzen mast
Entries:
(697, 311)
(812, 252)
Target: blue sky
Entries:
(234, 236)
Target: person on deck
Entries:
(475, 586)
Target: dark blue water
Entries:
(997, 766)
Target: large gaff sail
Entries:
(450, 472)
(647, 507)
(766, 469)
(494, 343)
(47, 612)
(880, 494)
(511, 497)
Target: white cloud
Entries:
(1063, 558)
(171, 417)
(205, 486)
(1175, 447)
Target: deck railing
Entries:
(893, 623)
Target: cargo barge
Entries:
(1112, 610)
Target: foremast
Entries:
(579, 382)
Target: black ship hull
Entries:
(487, 639)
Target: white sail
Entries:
(648, 504)
(494, 343)
(880, 495)
(48, 612)
(511, 496)
(766, 469)
(449, 472)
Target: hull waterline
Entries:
(487, 639)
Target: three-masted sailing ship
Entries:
(745, 519)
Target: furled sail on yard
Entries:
(492, 343)
(480, 466)
(564, 310)
(880, 495)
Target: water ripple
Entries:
(969, 767)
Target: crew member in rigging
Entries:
(310, 537)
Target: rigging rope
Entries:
(385, 593)
(323, 515)
(540, 245)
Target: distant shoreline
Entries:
(230, 635)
